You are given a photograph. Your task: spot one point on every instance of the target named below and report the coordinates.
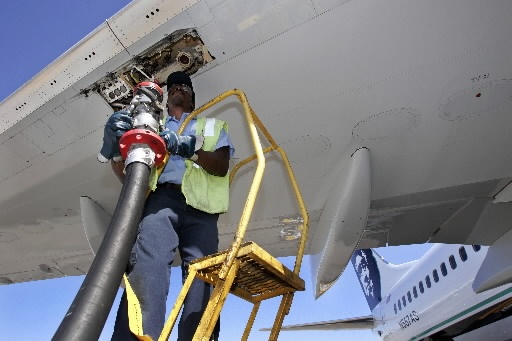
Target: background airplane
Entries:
(432, 297)
(439, 89)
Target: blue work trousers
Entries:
(167, 224)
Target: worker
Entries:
(181, 214)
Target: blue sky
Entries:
(34, 33)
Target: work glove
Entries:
(184, 146)
(117, 124)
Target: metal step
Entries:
(259, 277)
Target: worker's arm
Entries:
(216, 162)
(188, 147)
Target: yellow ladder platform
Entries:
(260, 276)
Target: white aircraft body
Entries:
(431, 298)
(395, 116)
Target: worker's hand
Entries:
(117, 124)
(184, 146)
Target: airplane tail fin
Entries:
(376, 276)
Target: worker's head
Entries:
(180, 91)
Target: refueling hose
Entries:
(88, 313)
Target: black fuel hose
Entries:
(88, 313)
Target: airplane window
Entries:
(476, 248)
(463, 254)
(403, 301)
(395, 308)
(427, 280)
(399, 305)
(422, 290)
(414, 291)
(453, 263)
(443, 269)
(409, 296)
(435, 275)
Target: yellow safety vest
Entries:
(206, 192)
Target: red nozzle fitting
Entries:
(143, 136)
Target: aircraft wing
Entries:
(395, 117)
(363, 322)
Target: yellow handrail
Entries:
(296, 190)
(253, 120)
(253, 191)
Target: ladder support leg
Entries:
(284, 308)
(217, 299)
(250, 323)
(171, 320)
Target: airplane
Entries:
(431, 298)
(393, 116)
